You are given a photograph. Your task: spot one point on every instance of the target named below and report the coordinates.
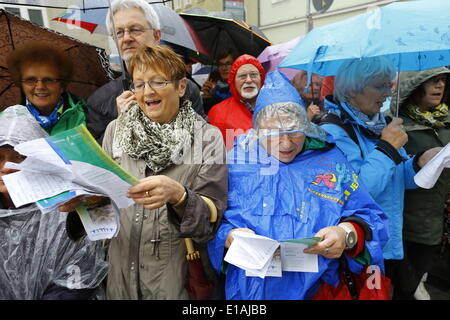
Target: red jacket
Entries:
(232, 113)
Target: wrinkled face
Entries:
(7, 154)
(224, 67)
(248, 81)
(45, 93)
(133, 31)
(300, 81)
(283, 147)
(162, 104)
(434, 92)
(371, 99)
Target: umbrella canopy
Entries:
(272, 55)
(91, 20)
(62, 4)
(91, 68)
(221, 33)
(414, 35)
(176, 34)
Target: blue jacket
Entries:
(287, 201)
(385, 181)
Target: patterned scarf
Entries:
(46, 122)
(431, 118)
(159, 145)
(375, 124)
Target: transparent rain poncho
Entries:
(35, 251)
(18, 125)
(282, 118)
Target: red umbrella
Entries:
(197, 285)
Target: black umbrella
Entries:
(219, 33)
(91, 68)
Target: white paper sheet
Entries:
(429, 174)
(250, 251)
(262, 257)
(294, 259)
(26, 187)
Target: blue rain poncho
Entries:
(37, 259)
(291, 200)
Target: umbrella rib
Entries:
(9, 30)
(58, 7)
(7, 88)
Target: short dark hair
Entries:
(39, 53)
(225, 53)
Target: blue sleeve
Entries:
(361, 205)
(376, 170)
(409, 174)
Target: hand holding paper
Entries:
(257, 255)
(429, 174)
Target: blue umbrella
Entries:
(415, 35)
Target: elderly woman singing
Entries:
(180, 160)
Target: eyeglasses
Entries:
(154, 84)
(133, 31)
(225, 64)
(382, 88)
(253, 76)
(31, 82)
(277, 134)
(437, 79)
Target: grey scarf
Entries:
(159, 145)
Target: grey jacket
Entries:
(148, 257)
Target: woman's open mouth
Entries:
(152, 103)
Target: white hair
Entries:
(149, 13)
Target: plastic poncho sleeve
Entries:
(37, 254)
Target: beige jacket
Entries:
(148, 257)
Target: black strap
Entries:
(348, 278)
(336, 120)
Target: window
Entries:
(176, 4)
(35, 15)
(187, 2)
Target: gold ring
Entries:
(147, 194)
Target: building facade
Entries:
(283, 20)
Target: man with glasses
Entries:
(133, 24)
(233, 116)
(215, 91)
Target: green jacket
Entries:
(73, 114)
(424, 208)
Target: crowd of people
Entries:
(247, 151)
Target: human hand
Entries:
(207, 88)
(230, 237)
(312, 110)
(427, 156)
(71, 204)
(124, 101)
(155, 191)
(332, 245)
(395, 134)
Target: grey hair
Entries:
(354, 75)
(149, 13)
